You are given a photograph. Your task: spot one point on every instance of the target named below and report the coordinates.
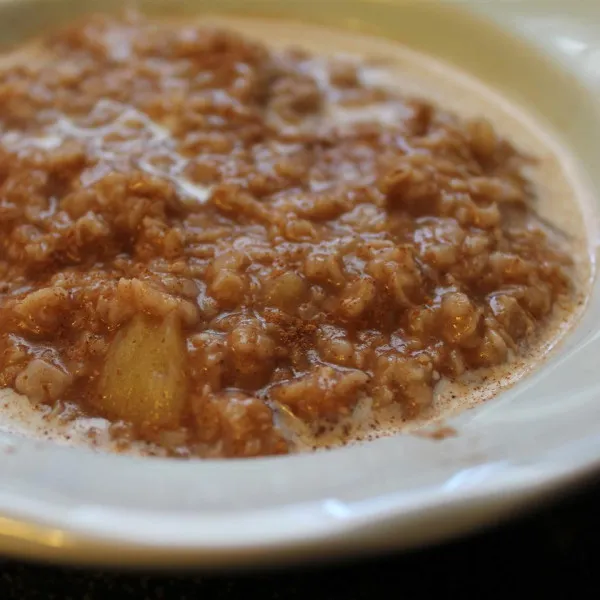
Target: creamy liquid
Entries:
(561, 192)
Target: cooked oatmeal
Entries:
(202, 236)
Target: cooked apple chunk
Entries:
(144, 379)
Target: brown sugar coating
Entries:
(198, 232)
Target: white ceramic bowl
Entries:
(540, 436)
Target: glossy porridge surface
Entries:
(227, 249)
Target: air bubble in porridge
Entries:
(201, 234)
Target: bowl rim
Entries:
(47, 506)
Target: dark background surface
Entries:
(554, 547)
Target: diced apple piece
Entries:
(144, 380)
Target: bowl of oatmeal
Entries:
(312, 279)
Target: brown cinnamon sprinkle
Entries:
(276, 246)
